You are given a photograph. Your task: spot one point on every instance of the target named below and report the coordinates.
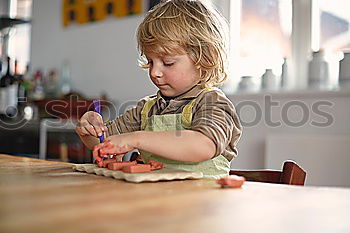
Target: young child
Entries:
(189, 124)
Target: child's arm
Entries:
(182, 145)
(91, 125)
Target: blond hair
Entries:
(187, 26)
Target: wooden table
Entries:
(42, 196)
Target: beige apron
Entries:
(214, 168)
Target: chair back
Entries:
(291, 173)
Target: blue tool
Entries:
(97, 106)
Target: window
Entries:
(260, 33)
(334, 25)
(19, 42)
(265, 31)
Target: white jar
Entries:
(344, 71)
(269, 81)
(248, 84)
(319, 71)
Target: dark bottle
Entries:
(8, 86)
(7, 79)
(22, 85)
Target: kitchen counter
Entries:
(19, 136)
(42, 139)
(43, 196)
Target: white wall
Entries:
(325, 157)
(102, 55)
(252, 144)
(4, 7)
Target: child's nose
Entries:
(156, 71)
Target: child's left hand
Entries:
(116, 145)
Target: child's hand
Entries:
(90, 124)
(116, 145)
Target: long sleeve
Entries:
(129, 121)
(215, 116)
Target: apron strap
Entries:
(145, 110)
(186, 115)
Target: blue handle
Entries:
(97, 107)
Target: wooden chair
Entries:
(291, 174)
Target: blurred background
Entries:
(289, 77)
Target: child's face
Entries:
(173, 75)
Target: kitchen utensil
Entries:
(97, 106)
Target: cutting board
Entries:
(152, 176)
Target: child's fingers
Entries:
(106, 145)
(96, 121)
(81, 131)
(114, 149)
(96, 154)
(109, 149)
(100, 164)
(98, 131)
(103, 150)
(91, 123)
(119, 158)
(91, 130)
(85, 128)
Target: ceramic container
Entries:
(318, 70)
(269, 81)
(344, 71)
(248, 84)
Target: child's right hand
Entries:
(90, 124)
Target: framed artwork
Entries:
(88, 11)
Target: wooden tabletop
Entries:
(43, 196)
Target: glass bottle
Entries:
(38, 92)
(51, 84)
(9, 92)
(65, 84)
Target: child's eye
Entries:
(168, 64)
(149, 62)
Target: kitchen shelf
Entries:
(300, 93)
(6, 22)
